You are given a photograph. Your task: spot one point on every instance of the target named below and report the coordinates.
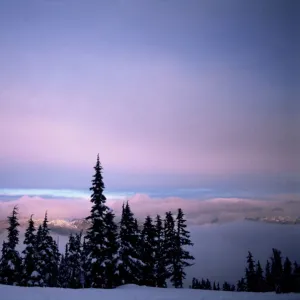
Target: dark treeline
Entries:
(280, 276)
(108, 255)
(206, 284)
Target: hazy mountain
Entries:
(276, 219)
(61, 227)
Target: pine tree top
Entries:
(158, 220)
(148, 232)
(97, 198)
(97, 182)
(169, 219)
(287, 267)
(29, 234)
(13, 232)
(259, 270)
(45, 222)
(250, 262)
(182, 232)
(127, 220)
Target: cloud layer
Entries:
(216, 210)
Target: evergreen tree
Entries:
(203, 284)
(161, 273)
(55, 258)
(148, 241)
(287, 278)
(241, 285)
(3, 255)
(296, 278)
(40, 258)
(226, 286)
(130, 262)
(195, 283)
(29, 262)
(181, 255)
(96, 244)
(74, 261)
(276, 269)
(11, 263)
(208, 285)
(63, 274)
(250, 273)
(260, 281)
(268, 277)
(169, 243)
(85, 263)
(112, 278)
(47, 257)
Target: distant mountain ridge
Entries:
(276, 219)
(60, 226)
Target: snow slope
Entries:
(132, 292)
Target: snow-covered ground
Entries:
(132, 292)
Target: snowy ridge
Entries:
(58, 223)
(132, 292)
(73, 224)
(60, 226)
(276, 219)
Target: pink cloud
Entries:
(56, 208)
(197, 211)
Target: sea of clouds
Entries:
(220, 243)
(68, 204)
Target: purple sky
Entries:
(166, 88)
